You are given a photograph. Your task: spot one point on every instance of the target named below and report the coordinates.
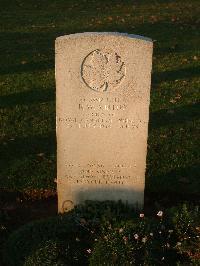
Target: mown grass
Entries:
(27, 94)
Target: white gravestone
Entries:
(102, 103)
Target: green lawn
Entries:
(27, 88)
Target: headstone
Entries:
(103, 95)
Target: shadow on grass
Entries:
(31, 145)
(28, 97)
(18, 45)
(26, 67)
(179, 115)
(28, 163)
(184, 73)
(176, 186)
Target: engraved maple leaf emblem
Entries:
(102, 71)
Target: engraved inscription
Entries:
(102, 112)
(99, 174)
(102, 70)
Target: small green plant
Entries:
(48, 253)
(186, 230)
(168, 238)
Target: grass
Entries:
(27, 94)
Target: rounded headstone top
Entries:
(101, 34)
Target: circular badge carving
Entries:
(67, 205)
(102, 71)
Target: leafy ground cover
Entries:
(27, 93)
(108, 233)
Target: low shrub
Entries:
(60, 239)
(169, 238)
(48, 253)
(107, 233)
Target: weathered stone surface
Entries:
(103, 94)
